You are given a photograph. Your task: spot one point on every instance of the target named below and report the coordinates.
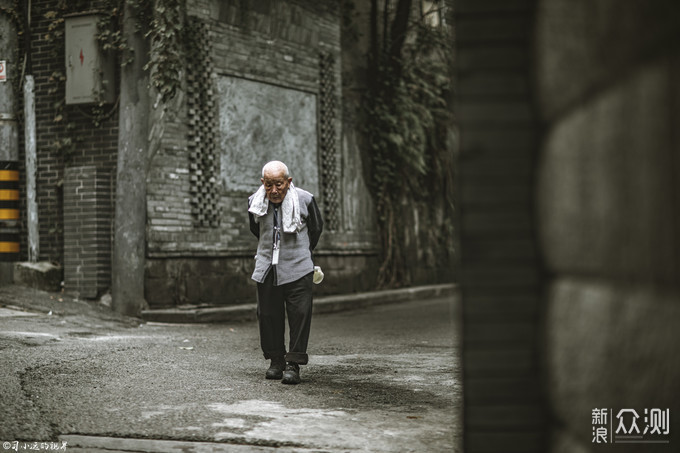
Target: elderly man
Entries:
(287, 222)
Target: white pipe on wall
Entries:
(31, 168)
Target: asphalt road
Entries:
(380, 379)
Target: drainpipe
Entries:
(30, 143)
(31, 169)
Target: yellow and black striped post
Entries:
(9, 211)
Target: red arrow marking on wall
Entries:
(81, 57)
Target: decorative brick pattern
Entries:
(284, 53)
(203, 127)
(277, 43)
(191, 217)
(88, 207)
(327, 139)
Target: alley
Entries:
(383, 379)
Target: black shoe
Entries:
(276, 368)
(292, 374)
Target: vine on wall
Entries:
(65, 141)
(166, 31)
(408, 127)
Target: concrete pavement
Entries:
(381, 379)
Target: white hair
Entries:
(275, 165)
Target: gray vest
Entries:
(295, 257)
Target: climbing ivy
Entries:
(407, 129)
(166, 31)
(65, 140)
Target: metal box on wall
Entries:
(90, 73)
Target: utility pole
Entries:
(129, 251)
(9, 53)
(9, 134)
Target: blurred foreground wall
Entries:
(570, 221)
(608, 197)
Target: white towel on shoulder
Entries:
(290, 208)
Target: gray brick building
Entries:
(262, 81)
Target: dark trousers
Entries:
(273, 303)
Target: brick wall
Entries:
(277, 43)
(255, 44)
(87, 230)
(94, 145)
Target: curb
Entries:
(326, 304)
